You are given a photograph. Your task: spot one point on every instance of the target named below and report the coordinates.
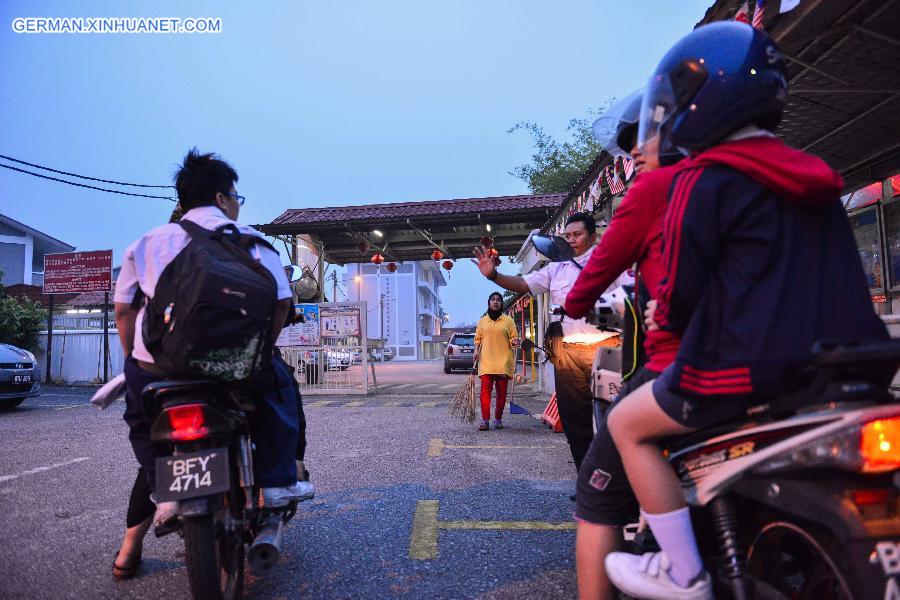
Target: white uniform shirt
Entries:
(558, 278)
(146, 258)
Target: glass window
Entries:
(865, 230)
(891, 214)
(863, 197)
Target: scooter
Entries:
(799, 498)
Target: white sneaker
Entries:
(647, 576)
(282, 496)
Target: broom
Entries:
(515, 409)
(462, 406)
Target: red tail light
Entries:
(187, 422)
(449, 349)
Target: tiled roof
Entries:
(430, 208)
(89, 299)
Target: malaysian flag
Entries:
(628, 167)
(743, 13)
(612, 179)
(759, 13)
(594, 193)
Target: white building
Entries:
(403, 307)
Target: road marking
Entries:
(450, 386)
(394, 403)
(74, 406)
(355, 403)
(322, 403)
(427, 404)
(6, 478)
(423, 540)
(437, 446)
(402, 385)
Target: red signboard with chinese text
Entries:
(73, 272)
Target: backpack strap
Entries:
(231, 238)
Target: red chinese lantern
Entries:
(487, 242)
(437, 255)
(447, 264)
(377, 258)
(363, 247)
(391, 267)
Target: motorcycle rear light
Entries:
(187, 422)
(879, 444)
(871, 497)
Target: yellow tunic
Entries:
(496, 356)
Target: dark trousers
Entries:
(273, 426)
(572, 365)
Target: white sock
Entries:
(674, 534)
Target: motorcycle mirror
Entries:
(293, 272)
(554, 248)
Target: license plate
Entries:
(191, 475)
(467, 351)
(21, 378)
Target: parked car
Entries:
(460, 352)
(20, 376)
(379, 354)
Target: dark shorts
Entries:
(699, 413)
(603, 495)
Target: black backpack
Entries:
(211, 313)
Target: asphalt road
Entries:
(409, 504)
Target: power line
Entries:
(43, 168)
(90, 187)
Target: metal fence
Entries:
(328, 369)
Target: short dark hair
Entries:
(589, 224)
(201, 177)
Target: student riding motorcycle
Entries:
(760, 265)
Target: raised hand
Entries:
(484, 261)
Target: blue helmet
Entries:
(715, 80)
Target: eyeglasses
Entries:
(240, 199)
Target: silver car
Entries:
(20, 376)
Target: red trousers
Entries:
(487, 382)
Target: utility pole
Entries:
(334, 286)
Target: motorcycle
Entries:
(210, 475)
(799, 499)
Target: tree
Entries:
(20, 320)
(556, 166)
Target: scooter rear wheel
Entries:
(796, 563)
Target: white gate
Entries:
(329, 351)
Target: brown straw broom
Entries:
(462, 406)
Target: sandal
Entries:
(129, 571)
(484, 426)
(498, 424)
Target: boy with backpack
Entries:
(207, 297)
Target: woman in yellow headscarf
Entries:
(495, 338)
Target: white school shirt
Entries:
(146, 258)
(558, 278)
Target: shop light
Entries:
(488, 226)
(377, 233)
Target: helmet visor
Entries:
(622, 114)
(657, 108)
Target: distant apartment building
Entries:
(22, 251)
(403, 307)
